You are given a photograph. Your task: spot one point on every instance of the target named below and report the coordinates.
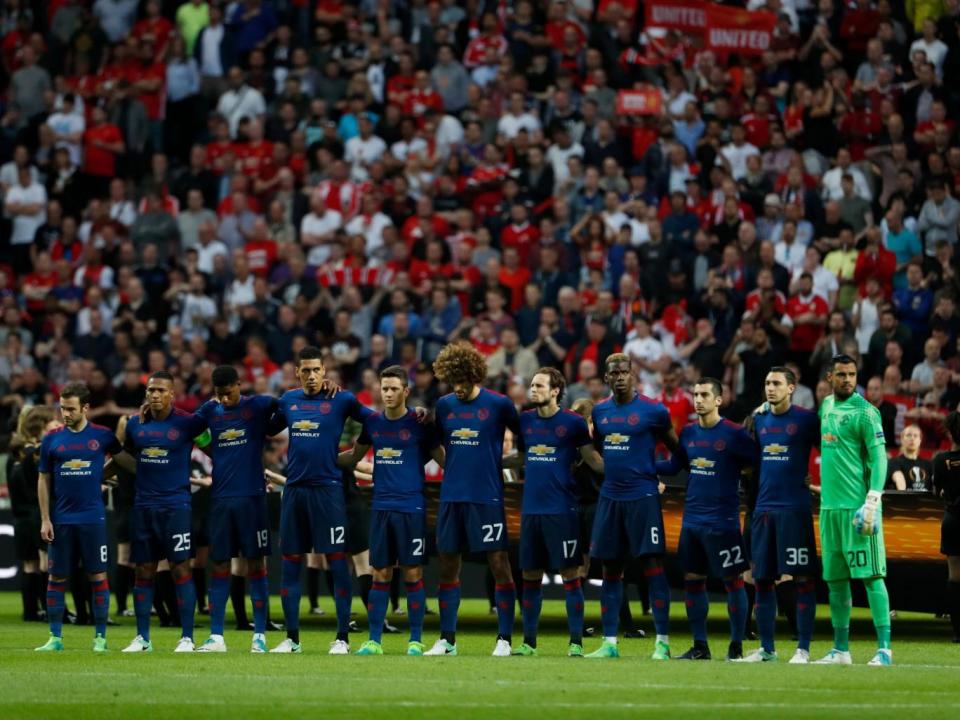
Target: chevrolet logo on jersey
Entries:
(232, 434)
(702, 463)
(775, 449)
(155, 452)
(305, 425)
(389, 453)
(615, 438)
(464, 434)
(76, 464)
(541, 450)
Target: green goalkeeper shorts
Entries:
(845, 553)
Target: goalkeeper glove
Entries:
(867, 519)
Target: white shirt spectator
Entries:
(449, 135)
(790, 256)
(83, 318)
(207, 253)
(237, 104)
(825, 282)
(239, 294)
(558, 156)
(25, 225)
(210, 64)
(869, 315)
(68, 124)
(105, 281)
(737, 157)
(650, 350)
(371, 228)
(832, 190)
(196, 312)
(116, 17)
(360, 153)
(510, 125)
(313, 224)
(402, 149)
(124, 212)
(935, 51)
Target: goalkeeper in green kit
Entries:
(853, 472)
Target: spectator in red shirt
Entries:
(677, 400)
(257, 363)
(102, 143)
(514, 275)
(808, 311)
(520, 233)
(154, 29)
(148, 77)
(260, 249)
(489, 38)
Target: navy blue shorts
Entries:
(782, 542)
(627, 528)
(239, 527)
(471, 527)
(550, 542)
(717, 553)
(161, 534)
(313, 518)
(397, 538)
(88, 542)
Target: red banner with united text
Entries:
(684, 15)
(733, 30)
(640, 101)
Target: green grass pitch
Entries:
(925, 683)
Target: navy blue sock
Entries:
(697, 608)
(142, 605)
(532, 605)
(186, 603)
(736, 608)
(290, 594)
(505, 595)
(806, 612)
(574, 597)
(259, 596)
(659, 592)
(611, 595)
(448, 598)
(766, 613)
(416, 609)
(218, 592)
(56, 603)
(342, 592)
(101, 606)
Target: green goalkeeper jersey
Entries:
(853, 455)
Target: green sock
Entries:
(879, 610)
(840, 601)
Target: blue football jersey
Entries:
(472, 434)
(785, 443)
(552, 446)
(75, 460)
(238, 435)
(162, 449)
(715, 458)
(315, 423)
(401, 448)
(627, 436)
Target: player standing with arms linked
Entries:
(402, 445)
(853, 470)
(159, 446)
(73, 519)
(550, 517)
(946, 485)
(781, 536)
(716, 452)
(238, 501)
(313, 512)
(629, 521)
(472, 421)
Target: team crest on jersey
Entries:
(404, 434)
(61, 448)
(719, 446)
(451, 416)
(246, 413)
(93, 445)
(633, 419)
(483, 414)
(829, 438)
(561, 431)
(325, 408)
(792, 429)
(173, 434)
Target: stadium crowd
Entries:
(189, 183)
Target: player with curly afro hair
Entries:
(462, 367)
